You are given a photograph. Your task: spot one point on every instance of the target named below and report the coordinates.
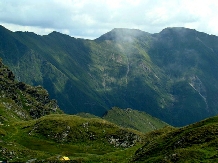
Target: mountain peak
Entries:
(59, 35)
(122, 34)
(54, 32)
(177, 31)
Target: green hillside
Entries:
(193, 143)
(80, 139)
(87, 115)
(170, 75)
(129, 118)
(134, 119)
(33, 128)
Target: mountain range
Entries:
(170, 75)
(34, 129)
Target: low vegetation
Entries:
(194, 143)
(129, 118)
(34, 129)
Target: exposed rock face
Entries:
(124, 139)
(31, 101)
(198, 86)
(7, 153)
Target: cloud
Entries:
(90, 19)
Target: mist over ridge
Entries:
(164, 74)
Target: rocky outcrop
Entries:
(30, 101)
(74, 129)
(124, 139)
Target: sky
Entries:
(91, 18)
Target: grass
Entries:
(24, 138)
(43, 139)
(193, 143)
(137, 120)
(37, 138)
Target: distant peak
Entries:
(126, 30)
(54, 33)
(177, 30)
(122, 34)
(59, 34)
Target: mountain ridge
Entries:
(32, 128)
(156, 73)
(129, 118)
(193, 143)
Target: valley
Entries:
(127, 96)
(128, 68)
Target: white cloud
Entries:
(91, 18)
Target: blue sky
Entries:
(92, 18)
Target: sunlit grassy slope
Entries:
(134, 119)
(130, 118)
(78, 138)
(194, 143)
